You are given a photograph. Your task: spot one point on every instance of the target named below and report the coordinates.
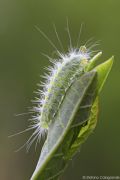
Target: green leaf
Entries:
(93, 61)
(103, 71)
(74, 122)
(53, 156)
(85, 130)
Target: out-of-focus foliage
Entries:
(21, 63)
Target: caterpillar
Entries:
(62, 73)
(60, 77)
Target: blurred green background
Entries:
(21, 63)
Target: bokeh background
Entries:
(21, 64)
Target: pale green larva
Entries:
(64, 70)
(62, 73)
(61, 76)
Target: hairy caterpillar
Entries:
(60, 77)
(62, 74)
